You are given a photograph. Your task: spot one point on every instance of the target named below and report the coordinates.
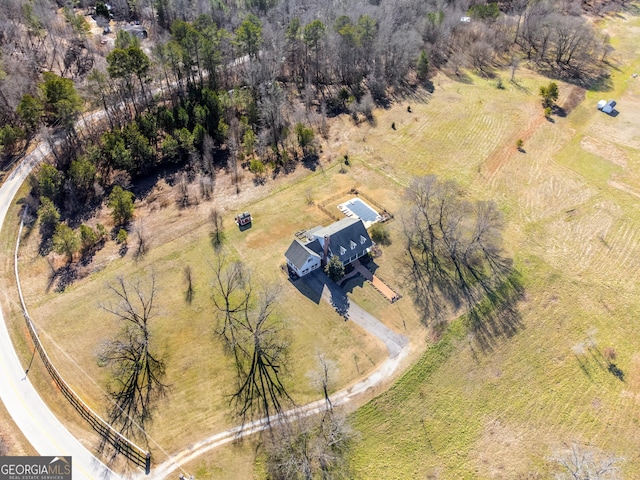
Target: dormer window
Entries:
(342, 250)
(362, 240)
(352, 245)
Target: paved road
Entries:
(316, 286)
(41, 428)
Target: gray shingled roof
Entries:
(342, 233)
(297, 253)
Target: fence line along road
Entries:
(43, 430)
(120, 443)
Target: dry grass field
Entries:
(72, 324)
(573, 228)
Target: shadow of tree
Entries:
(520, 88)
(66, 276)
(589, 355)
(311, 161)
(619, 374)
(497, 316)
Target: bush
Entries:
(121, 204)
(102, 232)
(257, 167)
(48, 214)
(122, 236)
(88, 238)
(485, 11)
(334, 268)
(65, 241)
(379, 234)
(549, 95)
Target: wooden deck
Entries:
(378, 284)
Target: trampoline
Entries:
(358, 208)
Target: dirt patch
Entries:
(500, 450)
(574, 96)
(604, 149)
(505, 151)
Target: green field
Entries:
(574, 230)
(461, 411)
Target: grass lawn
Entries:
(574, 229)
(73, 325)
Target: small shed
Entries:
(243, 219)
(607, 107)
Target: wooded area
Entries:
(245, 87)
(249, 75)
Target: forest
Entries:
(250, 83)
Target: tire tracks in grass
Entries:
(572, 97)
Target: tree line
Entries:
(330, 59)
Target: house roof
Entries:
(298, 253)
(346, 237)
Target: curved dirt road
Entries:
(41, 428)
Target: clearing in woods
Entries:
(460, 412)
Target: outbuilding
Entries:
(243, 219)
(607, 107)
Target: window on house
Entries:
(362, 240)
(342, 250)
(352, 245)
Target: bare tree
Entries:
(584, 464)
(254, 336)
(137, 370)
(183, 190)
(310, 447)
(217, 235)
(259, 354)
(188, 277)
(323, 377)
(272, 104)
(206, 186)
(143, 239)
(455, 258)
(231, 294)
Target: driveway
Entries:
(315, 286)
(324, 288)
